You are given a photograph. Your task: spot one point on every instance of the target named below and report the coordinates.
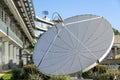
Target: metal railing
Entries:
(14, 37)
(11, 34)
(2, 27)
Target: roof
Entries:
(111, 61)
(26, 9)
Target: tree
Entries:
(116, 32)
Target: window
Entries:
(0, 12)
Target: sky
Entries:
(109, 9)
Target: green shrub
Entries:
(100, 73)
(95, 72)
(106, 76)
(88, 75)
(34, 77)
(31, 69)
(100, 69)
(1, 78)
(61, 77)
(17, 73)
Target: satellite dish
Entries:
(78, 45)
(45, 13)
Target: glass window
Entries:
(0, 12)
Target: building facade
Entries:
(113, 61)
(116, 47)
(42, 25)
(115, 51)
(16, 31)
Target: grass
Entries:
(7, 76)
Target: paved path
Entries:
(1, 74)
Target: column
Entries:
(6, 54)
(20, 58)
(111, 54)
(115, 52)
(23, 57)
(15, 55)
(24, 60)
(11, 53)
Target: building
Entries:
(16, 31)
(113, 60)
(42, 25)
(115, 51)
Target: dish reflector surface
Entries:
(75, 46)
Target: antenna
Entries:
(45, 13)
(83, 42)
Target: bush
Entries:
(31, 69)
(100, 73)
(34, 77)
(88, 74)
(61, 77)
(1, 78)
(95, 72)
(32, 73)
(17, 74)
(100, 69)
(106, 76)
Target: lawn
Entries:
(7, 75)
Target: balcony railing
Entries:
(4, 29)
(9, 32)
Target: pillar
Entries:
(17, 56)
(6, 52)
(115, 48)
(6, 55)
(11, 53)
(24, 57)
(14, 55)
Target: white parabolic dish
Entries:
(75, 46)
